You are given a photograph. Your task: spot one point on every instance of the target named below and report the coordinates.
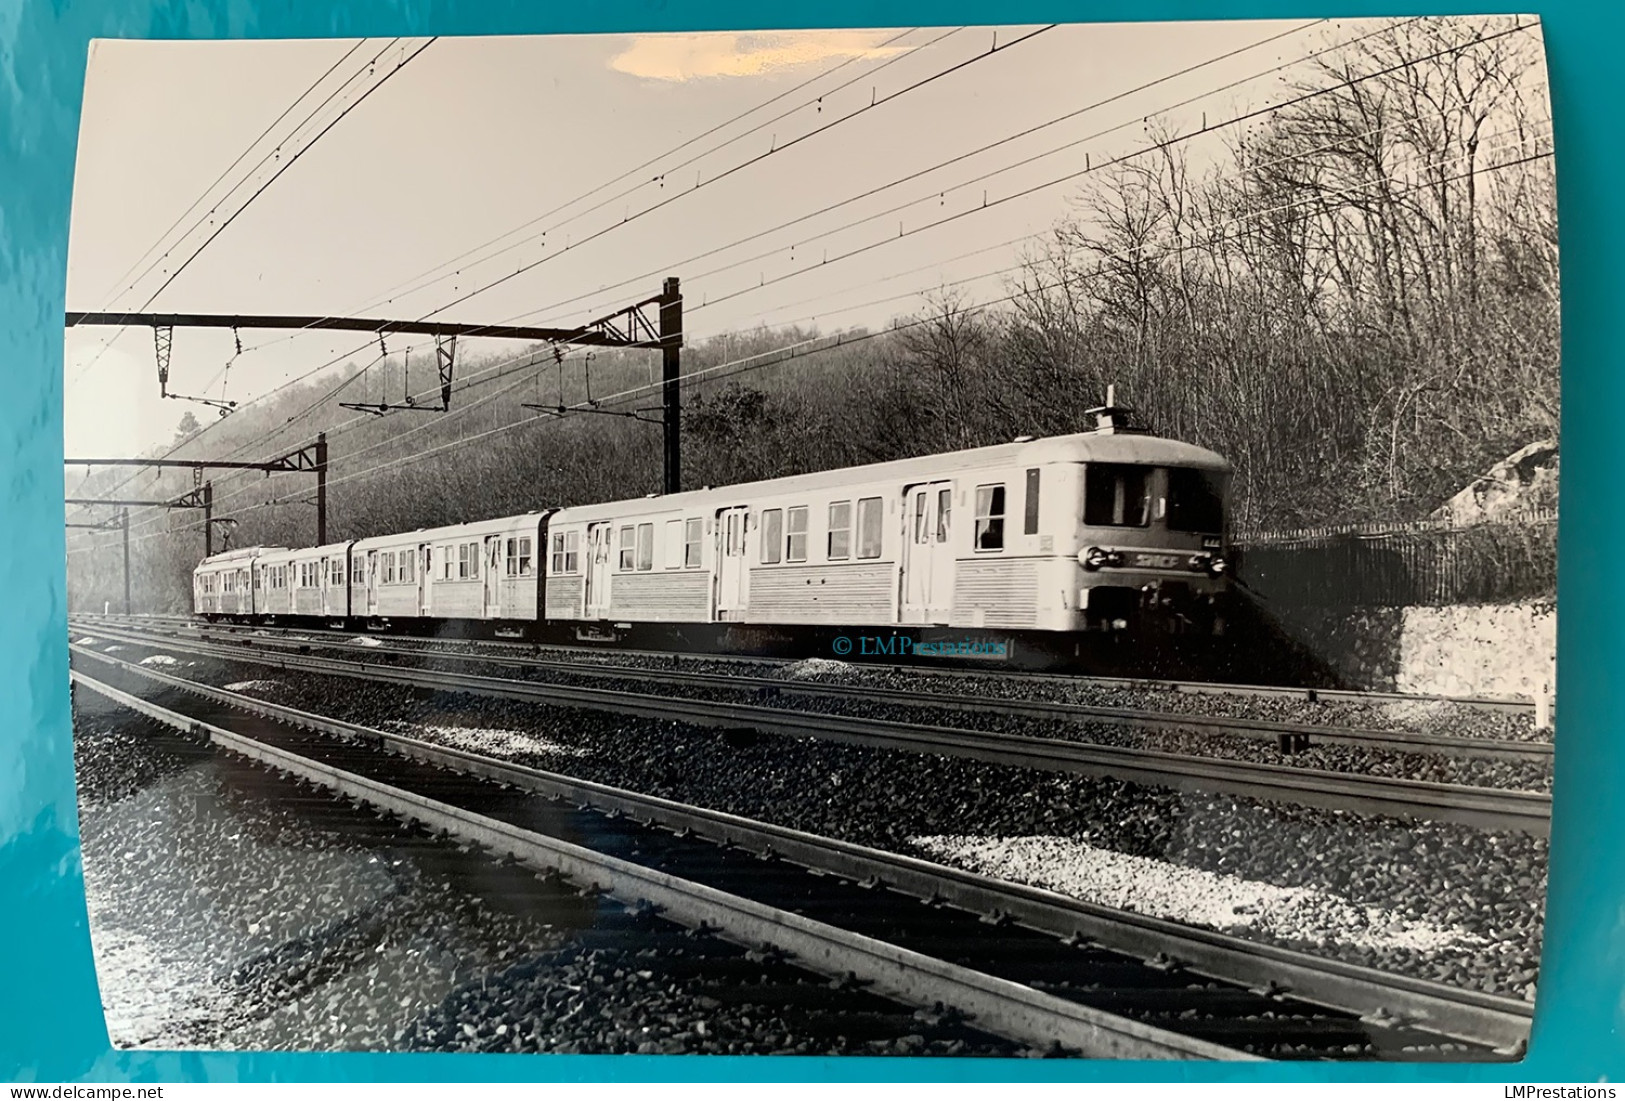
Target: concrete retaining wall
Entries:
(1456, 650)
(1489, 650)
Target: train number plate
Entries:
(1155, 561)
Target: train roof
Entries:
(496, 526)
(1111, 447)
(242, 554)
(1081, 447)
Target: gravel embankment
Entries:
(1478, 772)
(1420, 715)
(226, 915)
(1482, 891)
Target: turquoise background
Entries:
(50, 1017)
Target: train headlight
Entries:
(1093, 558)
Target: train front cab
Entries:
(1151, 550)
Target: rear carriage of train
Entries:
(223, 584)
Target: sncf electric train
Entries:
(1030, 545)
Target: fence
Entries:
(1425, 562)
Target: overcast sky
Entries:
(477, 136)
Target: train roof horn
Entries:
(1112, 419)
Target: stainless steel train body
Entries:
(1096, 531)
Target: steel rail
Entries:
(1292, 736)
(1467, 1015)
(996, 1005)
(1497, 704)
(1486, 808)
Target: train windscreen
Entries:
(1195, 501)
(1117, 495)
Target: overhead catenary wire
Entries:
(815, 345)
(1028, 237)
(261, 190)
(413, 285)
(1229, 54)
(289, 163)
(1343, 44)
(1090, 168)
(233, 165)
(1116, 97)
(878, 101)
(402, 287)
(260, 164)
(1111, 99)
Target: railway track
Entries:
(1029, 965)
(1488, 808)
(1289, 736)
(1493, 704)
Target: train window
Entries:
(990, 518)
(840, 529)
(772, 535)
(1029, 524)
(870, 510)
(408, 566)
(646, 546)
(1195, 501)
(462, 560)
(795, 549)
(672, 545)
(628, 547)
(694, 531)
(389, 568)
(474, 561)
(358, 570)
(945, 505)
(518, 556)
(922, 507)
(1116, 495)
(444, 556)
(566, 551)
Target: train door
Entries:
(493, 576)
(733, 577)
(596, 603)
(928, 556)
(425, 560)
(371, 581)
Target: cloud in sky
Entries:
(680, 57)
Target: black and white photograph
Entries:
(966, 541)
